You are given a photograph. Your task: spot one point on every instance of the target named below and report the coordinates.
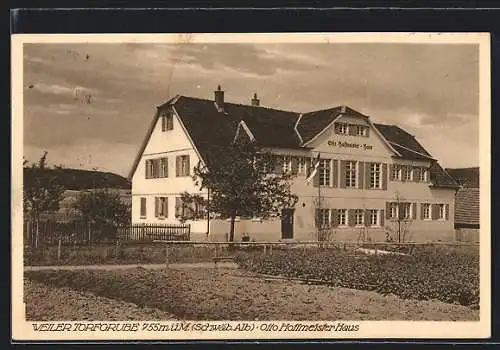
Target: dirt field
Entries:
(211, 294)
(47, 303)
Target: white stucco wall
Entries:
(372, 149)
(170, 143)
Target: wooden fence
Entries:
(150, 232)
(80, 233)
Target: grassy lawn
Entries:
(136, 253)
(214, 294)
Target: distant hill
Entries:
(467, 177)
(77, 179)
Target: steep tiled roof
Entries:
(440, 178)
(403, 142)
(313, 123)
(207, 126)
(467, 206)
(467, 177)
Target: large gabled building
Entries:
(371, 178)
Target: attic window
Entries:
(167, 121)
(361, 130)
(342, 128)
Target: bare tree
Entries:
(324, 232)
(403, 220)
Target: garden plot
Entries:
(211, 294)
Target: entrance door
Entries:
(287, 223)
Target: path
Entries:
(132, 266)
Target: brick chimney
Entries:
(255, 100)
(219, 98)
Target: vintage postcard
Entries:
(251, 186)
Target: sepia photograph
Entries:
(257, 186)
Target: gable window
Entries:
(342, 217)
(323, 217)
(301, 165)
(324, 172)
(161, 207)
(287, 164)
(167, 121)
(156, 168)
(182, 165)
(376, 175)
(423, 174)
(393, 210)
(396, 172)
(426, 211)
(408, 173)
(361, 130)
(143, 207)
(164, 167)
(350, 174)
(374, 217)
(359, 217)
(342, 128)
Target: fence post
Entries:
(59, 249)
(117, 250)
(166, 254)
(265, 248)
(88, 227)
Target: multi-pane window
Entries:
(301, 165)
(161, 204)
(324, 172)
(374, 217)
(359, 217)
(342, 128)
(167, 121)
(323, 218)
(423, 175)
(287, 164)
(350, 174)
(394, 210)
(164, 167)
(143, 207)
(441, 211)
(376, 175)
(156, 168)
(342, 217)
(406, 210)
(182, 165)
(361, 130)
(149, 168)
(396, 172)
(426, 211)
(408, 173)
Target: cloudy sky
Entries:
(89, 105)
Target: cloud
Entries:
(429, 89)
